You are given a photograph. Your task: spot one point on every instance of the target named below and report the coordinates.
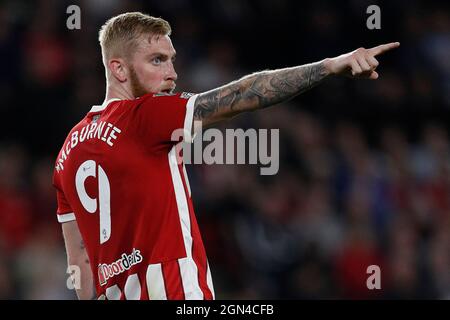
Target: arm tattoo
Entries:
(258, 90)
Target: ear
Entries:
(118, 69)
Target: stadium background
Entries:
(364, 170)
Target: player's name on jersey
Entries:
(103, 131)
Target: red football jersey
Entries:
(119, 177)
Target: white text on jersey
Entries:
(103, 131)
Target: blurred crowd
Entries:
(364, 173)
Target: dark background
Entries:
(364, 165)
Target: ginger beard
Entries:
(137, 88)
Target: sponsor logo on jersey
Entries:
(107, 271)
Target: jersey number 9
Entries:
(88, 169)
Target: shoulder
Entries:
(166, 96)
(156, 101)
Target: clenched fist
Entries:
(360, 63)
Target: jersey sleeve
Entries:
(64, 212)
(166, 119)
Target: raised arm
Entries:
(263, 89)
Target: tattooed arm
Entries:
(266, 88)
(77, 256)
(255, 91)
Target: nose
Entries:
(171, 75)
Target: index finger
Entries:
(383, 48)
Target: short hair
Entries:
(118, 36)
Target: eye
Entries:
(156, 61)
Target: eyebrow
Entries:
(165, 56)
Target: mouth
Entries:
(168, 90)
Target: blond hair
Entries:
(119, 36)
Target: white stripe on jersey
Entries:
(113, 293)
(209, 281)
(103, 106)
(133, 288)
(188, 268)
(186, 179)
(188, 120)
(155, 282)
(189, 278)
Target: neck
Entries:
(118, 93)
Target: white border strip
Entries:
(67, 217)
(209, 281)
(188, 268)
(132, 287)
(155, 282)
(186, 179)
(113, 293)
(188, 120)
(103, 106)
